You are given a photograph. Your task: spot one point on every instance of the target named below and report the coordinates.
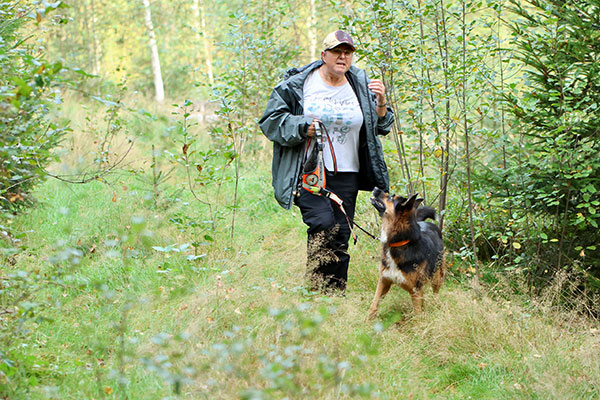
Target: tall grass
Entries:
(160, 305)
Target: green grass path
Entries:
(134, 302)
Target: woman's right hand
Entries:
(311, 129)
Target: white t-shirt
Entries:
(337, 107)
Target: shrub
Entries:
(560, 120)
(28, 87)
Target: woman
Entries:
(354, 111)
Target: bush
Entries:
(559, 116)
(28, 86)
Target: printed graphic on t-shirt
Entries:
(332, 112)
(338, 108)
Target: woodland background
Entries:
(143, 254)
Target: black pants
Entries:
(328, 231)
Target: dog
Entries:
(413, 251)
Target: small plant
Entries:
(25, 304)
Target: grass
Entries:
(135, 301)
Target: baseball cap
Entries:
(336, 38)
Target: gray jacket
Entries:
(285, 125)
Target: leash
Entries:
(314, 180)
(368, 233)
(313, 175)
(395, 244)
(313, 172)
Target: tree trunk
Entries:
(467, 149)
(158, 82)
(97, 49)
(445, 158)
(201, 35)
(312, 31)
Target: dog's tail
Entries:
(425, 212)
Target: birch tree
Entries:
(96, 45)
(201, 34)
(158, 81)
(312, 30)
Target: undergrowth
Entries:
(132, 288)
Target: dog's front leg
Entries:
(382, 288)
(416, 296)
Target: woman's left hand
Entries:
(377, 87)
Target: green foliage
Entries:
(558, 115)
(24, 309)
(257, 56)
(146, 317)
(28, 87)
(92, 305)
(417, 49)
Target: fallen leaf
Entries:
(15, 197)
(108, 390)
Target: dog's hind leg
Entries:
(438, 276)
(383, 286)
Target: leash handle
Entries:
(318, 131)
(324, 128)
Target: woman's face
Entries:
(339, 59)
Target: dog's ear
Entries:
(410, 203)
(399, 200)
